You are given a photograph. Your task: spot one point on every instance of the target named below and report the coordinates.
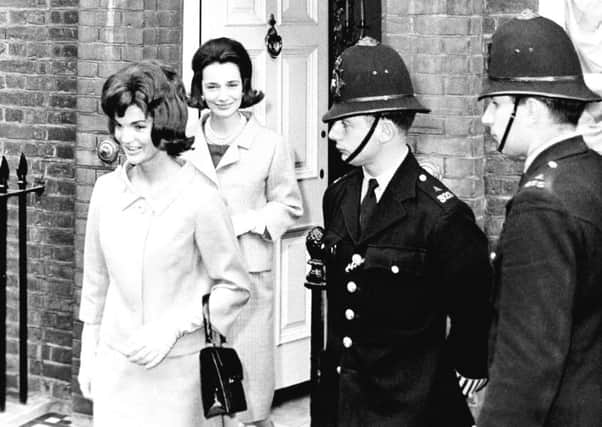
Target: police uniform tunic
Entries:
(390, 289)
(546, 368)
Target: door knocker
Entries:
(273, 41)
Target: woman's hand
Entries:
(87, 358)
(152, 343)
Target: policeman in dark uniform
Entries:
(404, 254)
(546, 336)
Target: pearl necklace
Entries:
(216, 139)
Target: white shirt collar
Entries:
(537, 150)
(383, 179)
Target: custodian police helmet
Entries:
(532, 55)
(369, 78)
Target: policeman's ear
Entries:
(537, 111)
(387, 130)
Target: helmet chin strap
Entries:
(364, 141)
(500, 148)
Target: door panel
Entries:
(296, 88)
(292, 311)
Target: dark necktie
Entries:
(368, 204)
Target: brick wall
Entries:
(38, 92)
(501, 173)
(111, 34)
(440, 41)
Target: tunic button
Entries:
(339, 370)
(356, 258)
(351, 287)
(394, 269)
(347, 342)
(492, 256)
(422, 177)
(349, 314)
(552, 164)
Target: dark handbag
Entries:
(221, 374)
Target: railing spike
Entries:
(22, 168)
(4, 171)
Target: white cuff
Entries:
(249, 221)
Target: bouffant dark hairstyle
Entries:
(156, 89)
(222, 50)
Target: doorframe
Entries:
(191, 12)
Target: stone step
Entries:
(16, 414)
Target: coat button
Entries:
(394, 269)
(351, 287)
(339, 370)
(552, 164)
(349, 314)
(347, 342)
(422, 177)
(492, 256)
(356, 259)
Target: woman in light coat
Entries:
(151, 253)
(253, 168)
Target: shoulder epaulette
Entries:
(434, 188)
(544, 178)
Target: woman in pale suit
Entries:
(151, 253)
(253, 168)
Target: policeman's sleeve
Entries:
(462, 258)
(536, 290)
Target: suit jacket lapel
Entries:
(241, 142)
(230, 156)
(200, 158)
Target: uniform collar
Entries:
(561, 149)
(383, 179)
(536, 151)
(389, 209)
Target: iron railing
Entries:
(21, 193)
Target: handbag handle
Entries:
(209, 331)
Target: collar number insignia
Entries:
(444, 197)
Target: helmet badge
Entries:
(527, 14)
(336, 81)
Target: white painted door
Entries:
(296, 88)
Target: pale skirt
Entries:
(252, 335)
(128, 395)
